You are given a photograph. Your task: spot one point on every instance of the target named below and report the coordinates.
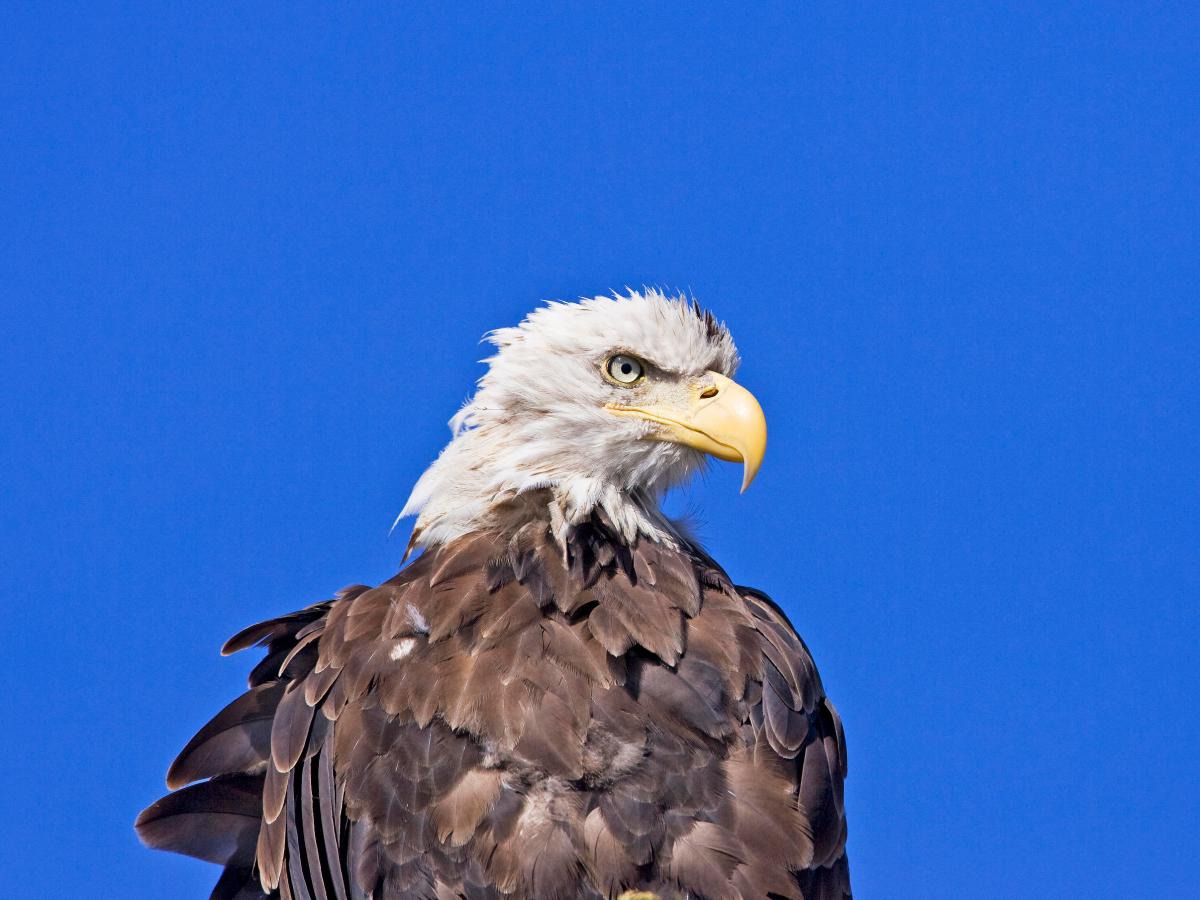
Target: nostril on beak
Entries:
(708, 393)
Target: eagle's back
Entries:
(506, 718)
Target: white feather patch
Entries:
(402, 648)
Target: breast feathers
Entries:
(513, 718)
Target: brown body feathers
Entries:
(506, 719)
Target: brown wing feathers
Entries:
(506, 719)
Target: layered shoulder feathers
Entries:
(514, 717)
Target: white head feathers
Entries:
(536, 438)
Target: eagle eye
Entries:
(625, 369)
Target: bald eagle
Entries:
(562, 695)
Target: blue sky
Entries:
(246, 257)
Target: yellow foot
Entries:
(638, 895)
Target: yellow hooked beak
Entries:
(719, 417)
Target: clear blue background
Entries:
(246, 257)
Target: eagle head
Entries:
(594, 407)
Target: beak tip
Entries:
(748, 475)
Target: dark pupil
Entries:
(626, 368)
